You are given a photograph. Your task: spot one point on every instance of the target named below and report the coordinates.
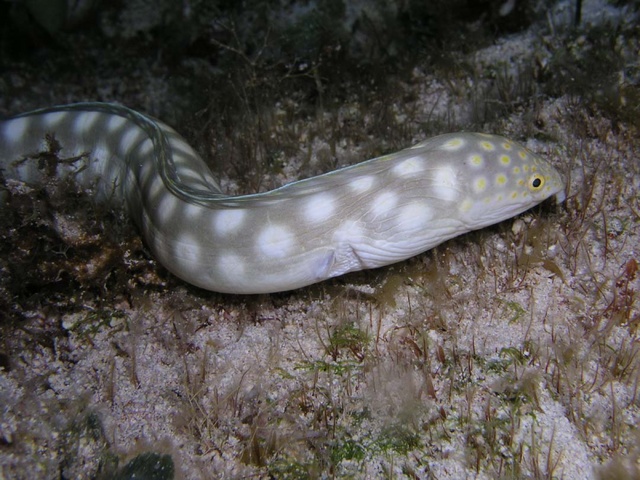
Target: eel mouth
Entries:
(560, 197)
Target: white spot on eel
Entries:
(384, 203)
(85, 122)
(319, 208)
(445, 184)
(409, 167)
(362, 184)
(115, 122)
(364, 216)
(52, 119)
(414, 216)
(231, 264)
(228, 221)
(275, 242)
(14, 131)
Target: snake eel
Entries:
(371, 214)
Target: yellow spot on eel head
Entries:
(514, 195)
(505, 159)
(476, 160)
(480, 184)
(453, 144)
(522, 154)
(516, 170)
(488, 146)
(506, 146)
(525, 168)
(466, 205)
(501, 179)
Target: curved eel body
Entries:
(364, 216)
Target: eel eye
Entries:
(536, 182)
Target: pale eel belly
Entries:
(364, 216)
